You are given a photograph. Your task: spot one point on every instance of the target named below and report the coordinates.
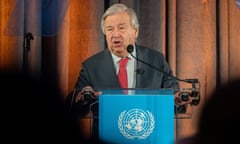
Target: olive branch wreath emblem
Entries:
(129, 136)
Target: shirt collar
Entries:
(116, 58)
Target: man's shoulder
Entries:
(148, 50)
(98, 56)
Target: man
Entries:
(100, 71)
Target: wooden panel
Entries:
(85, 36)
(171, 34)
(10, 52)
(85, 39)
(196, 52)
(234, 41)
(223, 34)
(229, 41)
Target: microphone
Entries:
(194, 93)
(26, 48)
(140, 71)
(27, 38)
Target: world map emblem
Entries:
(136, 123)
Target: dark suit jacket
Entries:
(98, 71)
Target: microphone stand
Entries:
(26, 47)
(195, 82)
(191, 81)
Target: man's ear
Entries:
(136, 32)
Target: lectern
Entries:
(136, 116)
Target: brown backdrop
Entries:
(200, 39)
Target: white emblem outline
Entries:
(144, 135)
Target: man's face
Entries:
(119, 33)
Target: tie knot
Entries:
(123, 62)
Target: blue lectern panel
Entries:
(137, 117)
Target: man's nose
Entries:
(116, 32)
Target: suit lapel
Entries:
(109, 71)
(140, 66)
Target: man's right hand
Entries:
(87, 93)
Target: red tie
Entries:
(122, 74)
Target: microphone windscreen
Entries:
(130, 48)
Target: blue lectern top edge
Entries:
(138, 91)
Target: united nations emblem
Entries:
(136, 123)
